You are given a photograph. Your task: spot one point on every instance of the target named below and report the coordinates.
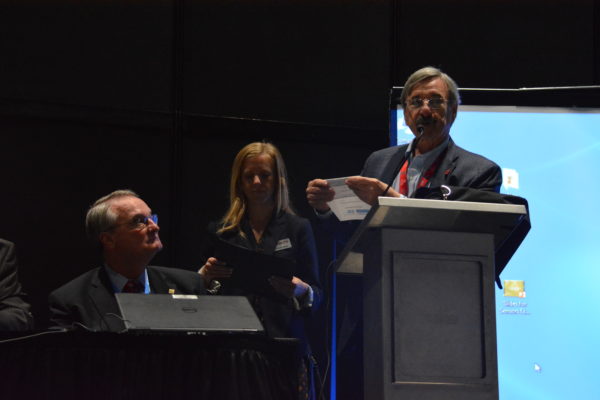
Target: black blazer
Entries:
(14, 311)
(459, 167)
(278, 314)
(89, 299)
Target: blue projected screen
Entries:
(548, 314)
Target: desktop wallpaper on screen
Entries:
(548, 313)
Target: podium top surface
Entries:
(433, 215)
(443, 215)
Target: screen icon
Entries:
(510, 178)
(514, 288)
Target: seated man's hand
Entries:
(318, 194)
(368, 189)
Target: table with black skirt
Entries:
(85, 365)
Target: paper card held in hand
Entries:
(346, 205)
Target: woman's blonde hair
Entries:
(237, 200)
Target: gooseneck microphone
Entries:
(418, 136)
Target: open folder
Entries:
(251, 269)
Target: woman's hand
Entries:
(294, 288)
(214, 269)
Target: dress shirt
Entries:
(417, 165)
(118, 281)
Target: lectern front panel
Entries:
(429, 321)
(437, 328)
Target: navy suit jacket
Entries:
(89, 299)
(14, 311)
(278, 314)
(459, 167)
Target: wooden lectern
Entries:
(428, 270)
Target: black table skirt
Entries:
(155, 366)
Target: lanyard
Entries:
(424, 178)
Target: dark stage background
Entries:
(158, 96)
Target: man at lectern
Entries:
(430, 101)
(127, 232)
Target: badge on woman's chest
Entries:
(283, 244)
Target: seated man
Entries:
(127, 232)
(14, 311)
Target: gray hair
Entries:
(424, 74)
(100, 218)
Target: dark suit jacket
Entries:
(458, 168)
(277, 313)
(14, 311)
(89, 299)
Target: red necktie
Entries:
(133, 286)
(403, 181)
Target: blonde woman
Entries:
(260, 219)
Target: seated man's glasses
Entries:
(140, 222)
(435, 103)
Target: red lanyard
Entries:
(424, 178)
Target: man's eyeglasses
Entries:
(140, 222)
(434, 103)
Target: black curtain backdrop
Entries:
(158, 96)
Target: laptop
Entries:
(187, 313)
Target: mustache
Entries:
(426, 120)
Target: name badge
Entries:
(283, 244)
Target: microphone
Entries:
(418, 136)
